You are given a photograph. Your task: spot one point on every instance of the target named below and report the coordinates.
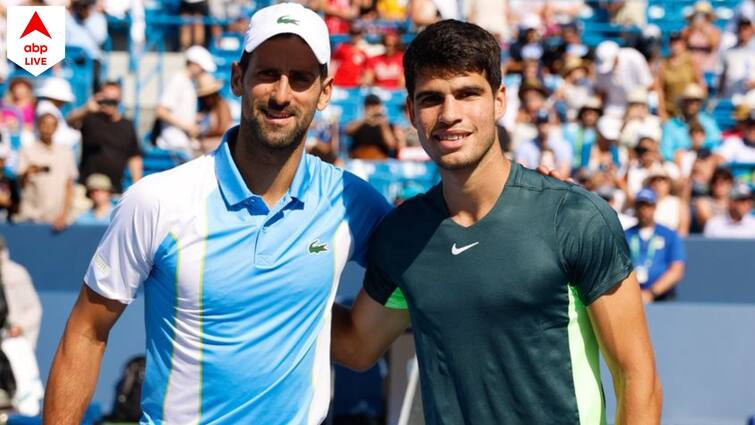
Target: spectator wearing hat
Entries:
(86, 28)
(638, 120)
(214, 115)
(387, 69)
(605, 154)
(737, 148)
(576, 86)
(52, 93)
(738, 62)
(9, 193)
(46, 173)
(738, 220)
(657, 252)
(677, 71)
(100, 193)
(676, 130)
(671, 210)
(547, 148)
(618, 71)
(647, 161)
(702, 36)
(372, 137)
(350, 59)
(176, 111)
(109, 141)
(583, 131)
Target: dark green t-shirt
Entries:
(498, 308)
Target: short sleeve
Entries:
(592, 244)
(124, 257)
(378, 285)
(677, 252)
(365, 209)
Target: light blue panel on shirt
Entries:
(159, 319)
(264, 299)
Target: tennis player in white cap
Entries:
(238, 252)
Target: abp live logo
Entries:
(36, 36)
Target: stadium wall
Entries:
(704, 342)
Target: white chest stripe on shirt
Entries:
(318, 409)
(183, 397)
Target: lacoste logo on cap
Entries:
(285, 19)
(316, 247)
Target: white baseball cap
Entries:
(605, 54)
(609, 127)
(289, 18)
(200, 56)
(55, 88)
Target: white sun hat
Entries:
(55, 88)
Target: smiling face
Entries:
(280, 88)
(455, 117)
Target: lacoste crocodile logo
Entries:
(316, 247)
(285, 19)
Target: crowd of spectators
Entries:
(618, 115)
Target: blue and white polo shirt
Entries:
(237, 296)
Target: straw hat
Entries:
(207, 85)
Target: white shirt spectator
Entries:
(64, 135)
(667, 212)
(722, 226)
(24, 308)
(180, 97)
(631, 71)
(636, 175)
(734, 149)
(739, 69)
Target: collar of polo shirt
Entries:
(232, 185)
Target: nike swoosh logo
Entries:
(457, 251)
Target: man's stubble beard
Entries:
(277, 141)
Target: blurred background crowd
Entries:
(619, 95)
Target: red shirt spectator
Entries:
(387, 70)
(350, 61)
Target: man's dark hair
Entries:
(449, 48)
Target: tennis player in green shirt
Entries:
(512, 282)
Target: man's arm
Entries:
(361, 335)
(136, 167)
(666, 281)
(77, 361)
(619, 322)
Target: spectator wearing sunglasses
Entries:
(109, 142)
